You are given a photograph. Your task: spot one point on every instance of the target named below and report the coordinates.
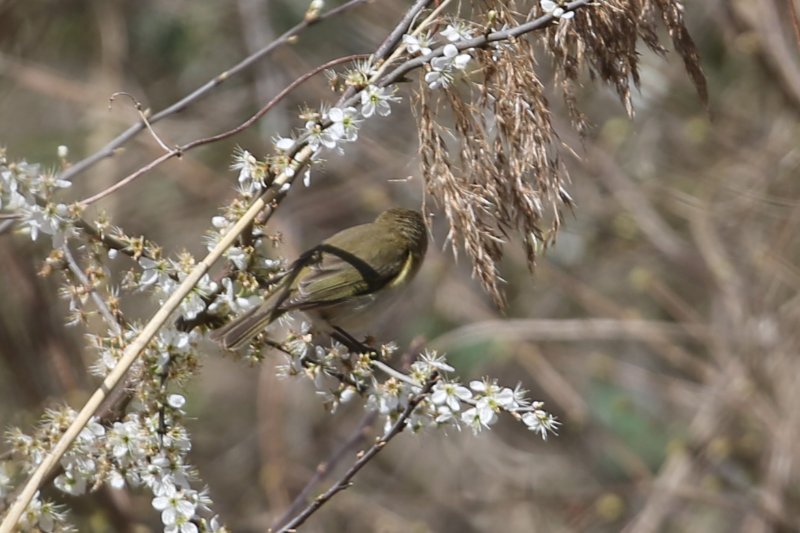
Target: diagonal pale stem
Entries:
(136, 347)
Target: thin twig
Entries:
(180, 150)
(110, 149)
(137, 105)
(396, 374)
(363, 458)
(101, 305)
(326, 467)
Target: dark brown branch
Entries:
(389, 44)
(324, 469)
(363, 458)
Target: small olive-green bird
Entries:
(344, 281)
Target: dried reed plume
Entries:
(490, 154)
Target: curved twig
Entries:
(111, 148)
(180, 150)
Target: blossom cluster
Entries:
(131, 452)
(44, 515)
(146, 447)
(556, 8)
(340, 375)
(162, 276)
(324, 129)
(27, 191)
(444, 67)
(452, 404)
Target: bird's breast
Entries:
(359, 314)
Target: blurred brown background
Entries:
(662, 328)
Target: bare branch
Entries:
(324, 469)
(363, 458)
(180, 150)
(110, 149)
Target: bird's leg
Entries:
(353, 344)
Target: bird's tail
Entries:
(241, 330)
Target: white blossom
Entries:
(237, 256)
(283, 144)
(457, 31)
(344, 123)
(127, 440)
(491, 395)
(229, 302)
(41, 516)
(418, 44)
(444, 67)
(445, 415)
(555, 9)
(10, 198)
(435, 361)
(192, 305)
(376, 100)
(247, 165)
(174, 340)
(478, 418)
(154, 272)
(540, 422)
(70, 483)
(52, 219)
(176, 401)
(319, 137)
(177, 509)
(450, 59)
(450, 394)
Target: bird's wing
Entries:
(328, 274)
